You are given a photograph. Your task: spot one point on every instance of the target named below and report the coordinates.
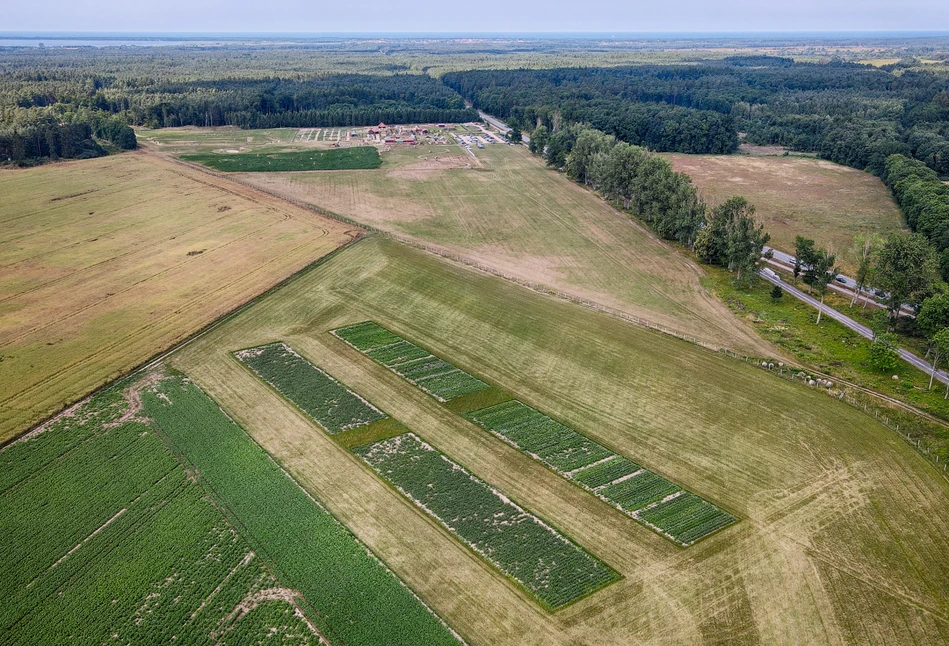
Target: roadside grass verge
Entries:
(836, 350)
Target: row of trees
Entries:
(633, 179)
(924, 201)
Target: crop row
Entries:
(106, 540)
(351, 596)
(551, 567)
(434, 375)
(324, 399)
(614, 478)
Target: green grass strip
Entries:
(356, 158)
(352, 596)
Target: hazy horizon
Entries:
(492, 17)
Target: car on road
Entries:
(840, 279)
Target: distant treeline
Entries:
(848, 113)
(34, 135)
(322, 101)
(603, 98)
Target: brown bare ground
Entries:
(798, 196)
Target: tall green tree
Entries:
(864, 250)
(906, 269)
(941, 341)
(821, 272)
(933, 317)
(803, 255)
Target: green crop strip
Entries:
(106, 540)
(435, 376)
(641, 494)
(324, 399)
(549, 566)
(356, 158)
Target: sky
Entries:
(429, 16)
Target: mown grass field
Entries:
(358, 157)
(503, 208)
(108, 540)
(798, 196)
(106, 262)
(841, 535)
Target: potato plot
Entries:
(638, 492)
(552, 568)
(435, 376)
(107, 540)
(325, 400)
(351, 595)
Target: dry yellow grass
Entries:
(798, 196)
(107, 262)
(511, 213)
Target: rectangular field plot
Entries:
(324, 399)
(435, 376)
(638, 492)
(552, 568)
(351, 596)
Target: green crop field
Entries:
(842, 537)
(358, 157)
(351, 596)
(615, 479)
(107, 541)
(320, 396)
(555, 570)
(437, 377)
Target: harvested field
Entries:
(840, 518)
(798, 196)
(511, 213)
(106, 262)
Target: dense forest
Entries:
(55, 104)
(849, 113)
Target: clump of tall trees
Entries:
(34, 135)
(635, 180)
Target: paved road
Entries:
(859, 328)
